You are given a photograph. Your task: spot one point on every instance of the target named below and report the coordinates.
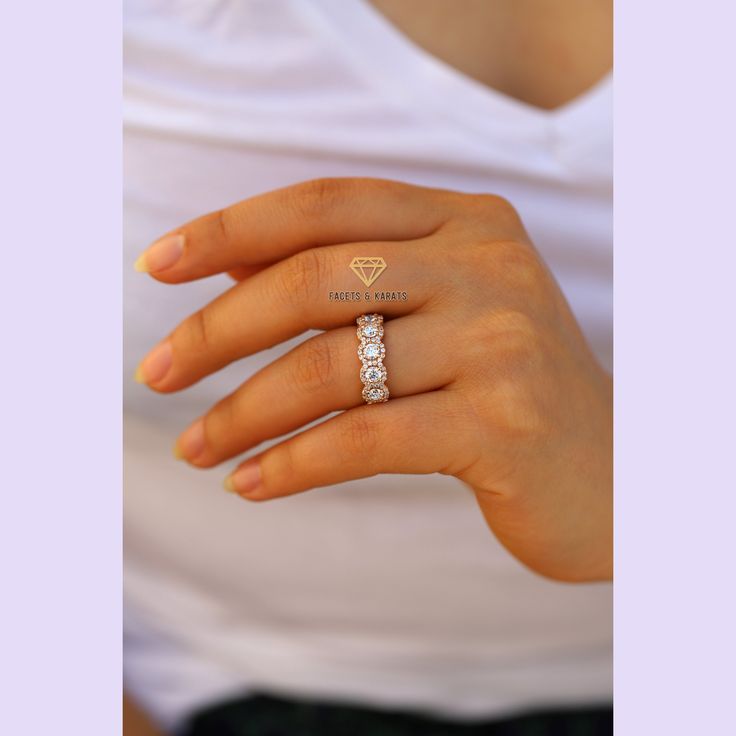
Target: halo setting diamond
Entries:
(373, 374)
(371, 352)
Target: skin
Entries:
(542, 52)
(135, 720)
(491, 378)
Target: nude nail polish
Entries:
(191, 442)
(156, 364)
(246, 479)
(161, 255)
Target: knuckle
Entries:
(304, 272)
(521, 416)
(314, 366)
(518, 263)
(514, 395)
(222, 225)
(389, 188)
(510, 336)
(494, 215)
(280, 466)
(516, 332)
(301, 275)
(314, 199)
(495, 205)
(221, 425)
(197, 332)
(510, 264)
(361, 433)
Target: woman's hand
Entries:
(491, 379)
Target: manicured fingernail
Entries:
(161, 255)
(156, 364)
(245, 479)
(191, 442)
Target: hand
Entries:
(491, 379)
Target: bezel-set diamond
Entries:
(371, 352)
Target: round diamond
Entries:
(372, 374)
(372, 350)
(370, 330)
(373, 394)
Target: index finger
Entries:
(272, 226)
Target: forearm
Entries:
(135, 720)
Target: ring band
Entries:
(371, 352)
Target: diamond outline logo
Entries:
(367, 268)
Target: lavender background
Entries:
(60, 412)
(675, 266)
(60, 537)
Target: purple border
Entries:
(60, 533)
(675, 267)
(60, 541)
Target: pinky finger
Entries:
(425, 433)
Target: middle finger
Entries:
(317, 377)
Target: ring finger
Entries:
(319, 376)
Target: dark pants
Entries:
(263, 715)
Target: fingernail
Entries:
(245, 479)
(191, 442)
(156, 364)
(161, 255)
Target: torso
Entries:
(542, 52)
(388, 590)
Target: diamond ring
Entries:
(371, 352)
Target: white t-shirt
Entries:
(389, 591)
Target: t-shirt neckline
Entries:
(385, 53)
